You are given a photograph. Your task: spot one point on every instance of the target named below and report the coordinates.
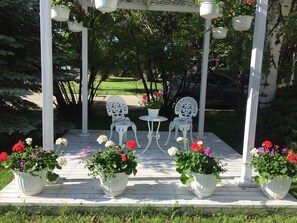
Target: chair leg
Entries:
(121, 129)
(176, 132)
(171, 126)
(136, 139)
(111, 128)
(185, 129)
(191, 133)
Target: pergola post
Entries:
(203, 84)
(84, 77)
(46, 74)
(253, 92)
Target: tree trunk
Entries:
(278, 9)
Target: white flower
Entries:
(61, 142)
(254, 152)
(200, 143)
(109, 144)
(180, 139)
(62, 161)
(28, 141)
(101, 139)
(172, 151)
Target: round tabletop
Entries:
(151, 119)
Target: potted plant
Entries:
(276, 167)
(198, 167)
(243, 16)
(153, 103)
(113, 165)
(32, 165)
(78, 17)
(60, 10)
(220, 26)
(106, 5)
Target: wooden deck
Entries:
(156, 183)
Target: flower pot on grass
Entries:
(60, 13)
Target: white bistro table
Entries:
(150, 124)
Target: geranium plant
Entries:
(247, 8)
(61, 2)
(77, 12)
(31, 159)
(198, 159)
(154, 102)
(115, 159)
(272, 161)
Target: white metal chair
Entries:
(186, 108)
(117, 108)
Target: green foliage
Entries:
(78, 13)
(246, 8)
(115, 159)
(199, 160)
(31, 159)
(271, 162)
(154, 102)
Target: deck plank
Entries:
(156, 182)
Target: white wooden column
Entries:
(46, 74)
(84, 77)
(203, 84)
(253, 92)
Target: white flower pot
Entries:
(28, 184)
(106, 5)
(75, 26)
(208, 9)
(276, 188)
(153, 113)
(203, 185)
(60, 13)
(242, 23)
(219, 33)
(114, 186)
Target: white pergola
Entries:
(156, 5)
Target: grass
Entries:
(5, 177)
(143, 214)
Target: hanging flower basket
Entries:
(242, 23)
(208, 9)
(219, 32)
(106, 5)
(75, 26)
(60, 13)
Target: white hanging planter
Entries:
(28, 184)
(203, 185)
(242, 23)
(208, 9)
(60, 13)
(75, 26)
(153, 113)
(114, 186)
(106, 5)
(276, 188)
(219, 32)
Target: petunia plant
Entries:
(115, 159)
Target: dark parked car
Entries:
(221, 92)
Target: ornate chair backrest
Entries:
(186, 108)
(117, 108)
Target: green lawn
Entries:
(5, 177)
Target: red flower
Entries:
(144, 97)
(3, 156)
(117, 150)
(267, 144)
(292, 158)
(250, 2)
(131, 144)
(124, 157)
(157, 93)
(75, 5)
(232, 11)
(19, 147)
(198, 146)
(83, 10)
